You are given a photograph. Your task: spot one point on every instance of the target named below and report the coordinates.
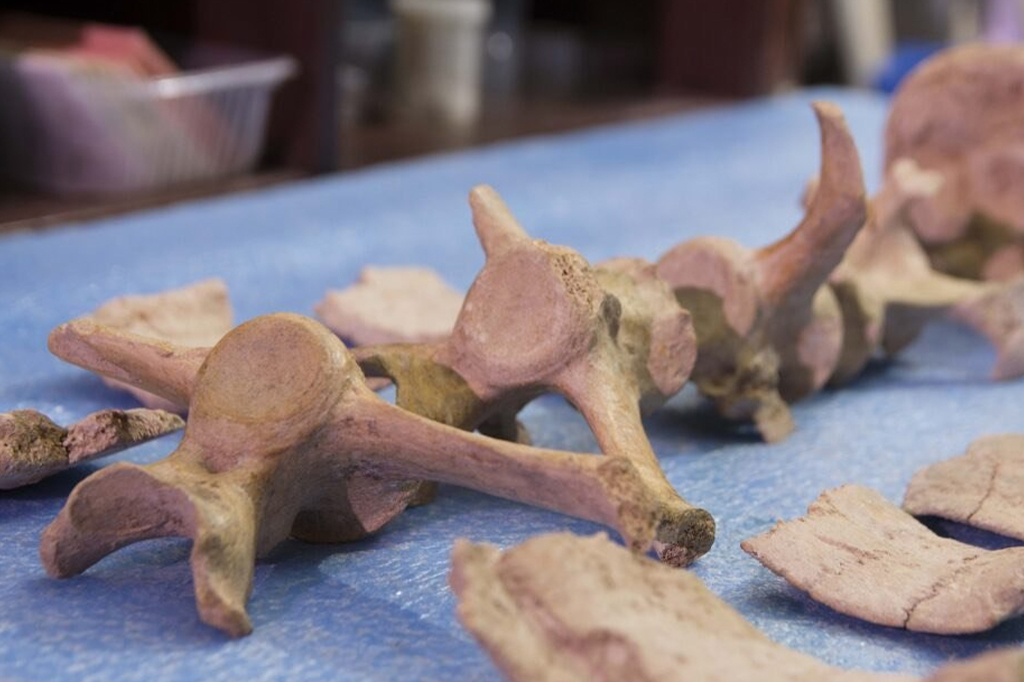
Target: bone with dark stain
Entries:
(861, 555)
(769, 331)
(33, 447)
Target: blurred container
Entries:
(71, 127)
(440, 58)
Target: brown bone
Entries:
(561, 608)
(285, 438)
(769, 332)
(32, 447)
(863, 556)
(537, 319)
(982, 488)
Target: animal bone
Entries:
(538, 319)
(983, 488)
(769, 332)
(561, 608)
(888, 290)
(862, 556)
(197, 315)
(32, 447)
(609, 357)
(284, 438)
(392, 305)
(958, 116)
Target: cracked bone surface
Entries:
(392, 305)
(538, 318)
(958, 116)
(284, 438)
(769, 332)
(33, 447)
(861, 555)
(983, 488)
(197, 315)
(564, 608)
(888, 290)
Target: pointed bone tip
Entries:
(483, 193)
(825, 110)
(495, 225)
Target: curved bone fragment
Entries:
(33, 447)
(563, 608)
(284, 438)
(769, 332)
(196, 316)
(538, 318)
(982, 488)
(862, 556)
(392, 305)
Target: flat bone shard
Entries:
(392, 305)
(32, 447)
(285, 439)
(197, 316)
(563, 608)
(983, 488)
(863, 556)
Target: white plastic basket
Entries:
(69, 128)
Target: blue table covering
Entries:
(381, 609)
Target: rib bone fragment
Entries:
(32, 447)
(861, 555)
(982, 488)
(563, 608)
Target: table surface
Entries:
(380, 609)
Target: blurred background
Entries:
(112, 106)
